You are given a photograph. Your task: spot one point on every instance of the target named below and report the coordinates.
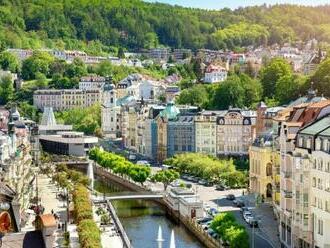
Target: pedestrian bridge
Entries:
(99, 198)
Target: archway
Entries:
(269, 190)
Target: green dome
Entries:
(170, 112)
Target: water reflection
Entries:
(142, 218)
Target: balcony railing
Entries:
(288, 194)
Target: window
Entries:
(320, 227)
(319, 183)
(314, 182)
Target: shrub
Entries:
(89, 234)
(82, 203)
(227, 228)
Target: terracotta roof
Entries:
(320, 104)
(283, 114)
(48, 220)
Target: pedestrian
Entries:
(52, 211)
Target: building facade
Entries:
(205, 134)
(215, 74)
(181, 135)
(92, 83)
(235, 132)
(66, 99)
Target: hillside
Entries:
(101, 25)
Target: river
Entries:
(141, 219)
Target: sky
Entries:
(219, 4)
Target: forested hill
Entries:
(96, 25)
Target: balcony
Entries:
(287, 194)
(287, 174)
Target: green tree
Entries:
(253, 90)
(166, 177)
(229, 93)
(38, 62)
(6, 89)
(321, 78)
(121, 53)
(9, 62)
(270, 74)
(41, 80)
(76, 69)
(104, 68)
(139, 173)
(195, 96)
(289, 87)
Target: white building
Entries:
(92, 83)
(67, 143)
(185, 201)
(235, 131)
(215, 74)
(66, 99)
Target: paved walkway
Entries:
(74, 238)
(49, 200)
(109, 235)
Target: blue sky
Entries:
(218, 4)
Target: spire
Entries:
(48, 118)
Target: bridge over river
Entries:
(128, 196)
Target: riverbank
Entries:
(189, 224)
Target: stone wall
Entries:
(190, 224)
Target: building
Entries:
(185, 201)
(264, 169)
(110, 112)
(300, 116)
(235, 132)
(159, 54)
(180, 135)
(92, 83)
(66, 99)
(16, 170)
(49, 125)
(265, 121)
(311, 185)
(205, 133)
(67, 143)
(148, 131)
(181, 54)
(170, 113)
(215, 74)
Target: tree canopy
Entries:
(99, 26)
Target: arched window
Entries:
(269, 170)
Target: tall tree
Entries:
(289, 87)
(9, 62)
(321, 78)
(229, 93)
(271, 73)
(6, 89)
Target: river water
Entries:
(141, 219)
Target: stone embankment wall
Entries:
(190, 224)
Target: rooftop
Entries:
(317, 127)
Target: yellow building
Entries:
(261, 169)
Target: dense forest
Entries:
(98, 26)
